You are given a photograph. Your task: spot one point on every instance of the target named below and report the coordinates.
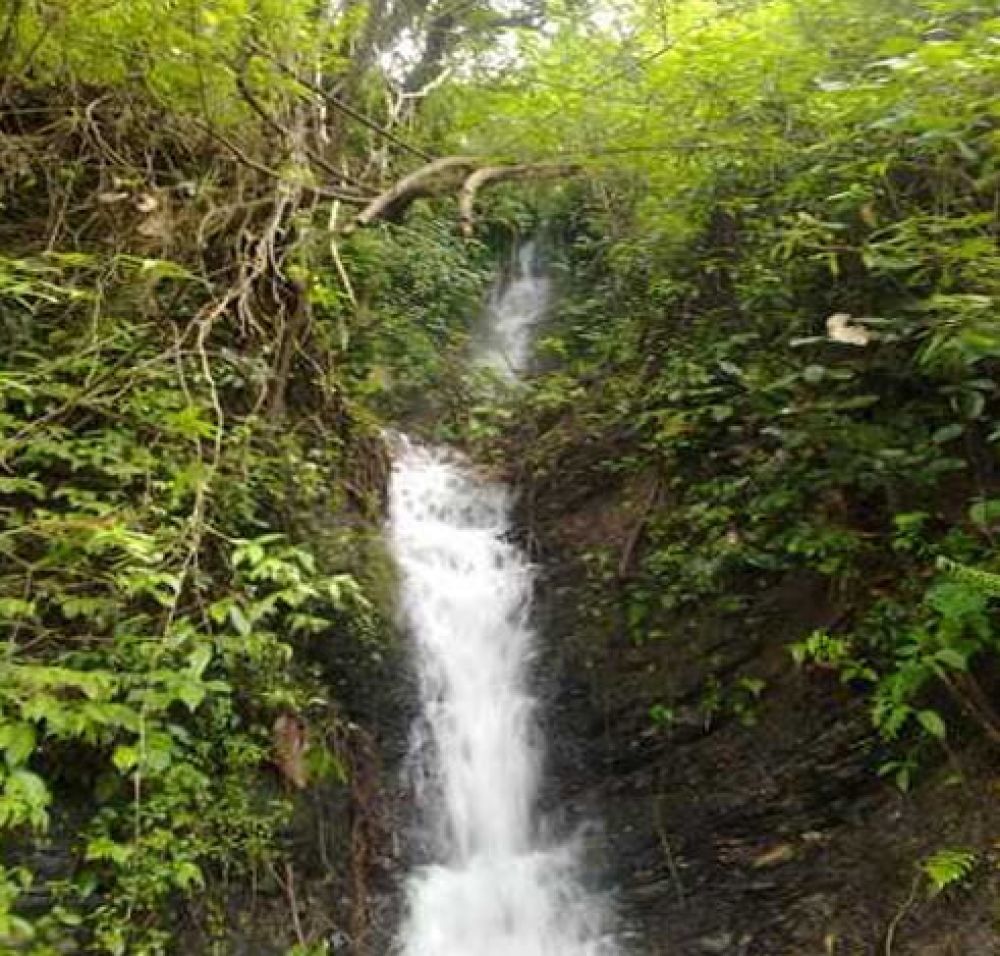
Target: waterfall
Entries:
(494, 886)
(513, 309)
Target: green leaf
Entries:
(661, 715)
(984, 514)
(931, 721)
(191, 694)
(947, 433)
(164, 269)
(186, 875)
(158, 753)
(18, 742)
(105, 849)
(30, 790)
(218, 611)
(15, 608)
(948, 866)
(952, 658)
(199, 659)
(239, 620)
(125, 758)
(25, 486)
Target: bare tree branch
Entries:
(435, 177)
(492, 174)
(338, 104)
(462, 174)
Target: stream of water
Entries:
(494, 886)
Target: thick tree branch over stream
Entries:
(487, 175)
(462, 174)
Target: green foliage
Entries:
(317, 949)
(907, 649)
(153, 621)
(981, 583)
(187, 474)
(780, 311)
(778, 281)
(822, 650)
(662, 716)
(184, 51)
(419, 287)
(740, 699)
(947, 867)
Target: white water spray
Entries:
(496, 887)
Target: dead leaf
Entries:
(782, 853)
(839, 328)
(290, 745)
(147, 202)
(156, 226)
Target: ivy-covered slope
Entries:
(192, 591)
(763, 466)
(807, 382)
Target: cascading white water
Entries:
(495, 886)
(513, 310)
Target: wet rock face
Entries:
(761, 830)
(367, 825)
(755, 831)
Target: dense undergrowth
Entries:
(191, 466)
(157, 598)
(806, 381)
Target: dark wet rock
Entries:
(771, 836)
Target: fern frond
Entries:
(948, 866)
(986, 582)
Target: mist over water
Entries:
(494, 886)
